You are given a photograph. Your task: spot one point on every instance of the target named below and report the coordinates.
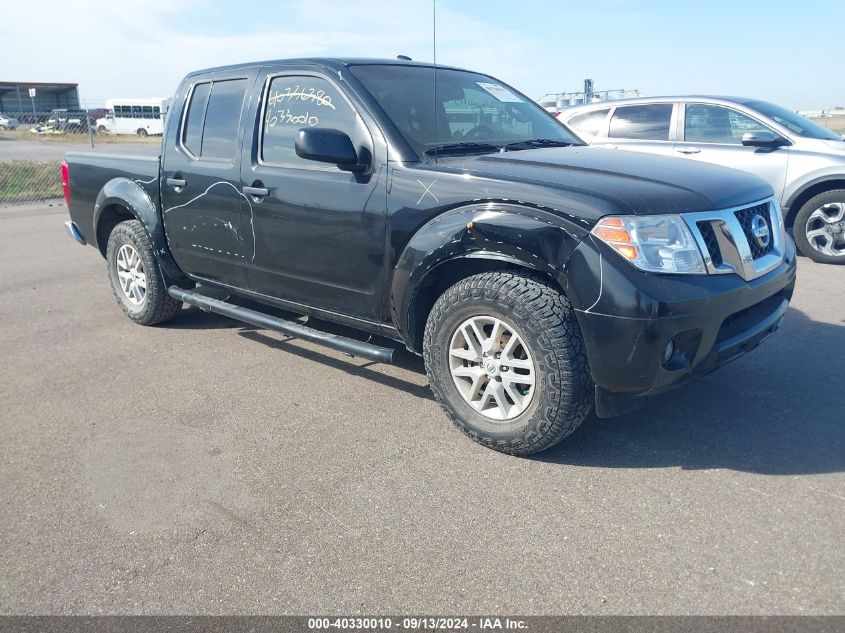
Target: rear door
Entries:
(713, 134)
(201, 199)
(647, 127)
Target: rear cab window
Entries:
(650, 122)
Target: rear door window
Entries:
(212, 120)
(644, 122)
(194, 117)
(589, 123)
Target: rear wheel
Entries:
(142, 132)
(506, 361)
(819, 228)
(135, 278)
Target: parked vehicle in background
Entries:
(537, 276)
(95, 114)
(8, 122)
(803, 161)
(63, 121)
(144, 117)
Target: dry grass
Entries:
(24, 180)
(836, 123)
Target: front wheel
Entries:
(142, 133)
(819, 228)
(134, 276)
(505, 358)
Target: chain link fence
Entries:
(33, 146)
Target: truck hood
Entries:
(632, 181)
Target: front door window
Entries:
(717, 124)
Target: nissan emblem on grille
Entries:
(744, 240)
(760, 229)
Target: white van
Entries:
(143, 117)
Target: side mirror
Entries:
(327, 145)
(762, 138)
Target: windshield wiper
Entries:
(535, 142)
(458, 148)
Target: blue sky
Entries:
(788, 52)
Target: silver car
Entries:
(804, 162)
(8, 123)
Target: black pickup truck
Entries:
(443, 209)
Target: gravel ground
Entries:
(205, 467)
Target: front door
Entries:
(318, 234)
(200, 189)
(713, 134)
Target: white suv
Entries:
(804, 162)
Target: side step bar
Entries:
(259, 319)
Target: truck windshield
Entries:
(471, 113)
(792, 121)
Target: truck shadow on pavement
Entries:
(195, 319)
(780, 410)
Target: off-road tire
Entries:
(799, 228)
(157, 306)
(563, 389)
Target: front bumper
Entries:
(628, 318)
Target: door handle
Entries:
(689, 150)
(256, 192)
(176, 182)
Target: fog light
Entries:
(668, 352)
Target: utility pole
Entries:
(588, 91)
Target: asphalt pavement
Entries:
(53, 149)
(206, 467)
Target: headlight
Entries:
(656, 243)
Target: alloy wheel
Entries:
(131, 275)
(492, 367)
(825, 229)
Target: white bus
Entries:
(134, 116)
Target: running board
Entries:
(259, 319)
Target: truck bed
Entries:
(89, 172)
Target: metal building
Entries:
(15, 99)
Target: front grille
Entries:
(709, 235)
(745, 217)
(726, 237)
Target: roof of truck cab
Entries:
(333, 63)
